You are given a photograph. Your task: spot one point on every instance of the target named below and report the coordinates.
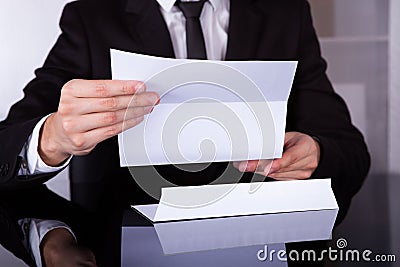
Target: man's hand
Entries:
(90, 112)
(299, 160)
(59, 249)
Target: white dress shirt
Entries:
(214, 21)
(32, 162)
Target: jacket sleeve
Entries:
(315, 109)
(11, 236)
(67, 60)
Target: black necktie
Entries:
(196, 48)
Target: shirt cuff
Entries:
(34, 163)
(35, 230)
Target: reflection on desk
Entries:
(230, 241)
(241, 231)
(141, 247)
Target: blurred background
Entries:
(360, 39)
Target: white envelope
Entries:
(232, 215)
(210, 111)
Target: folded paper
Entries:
(210, 111)
(234, 215)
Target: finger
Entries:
(304, 163)
(239, 165)
(246, 166)
(258, 166)
(283, 179)
(292, 175)
(85, 257)
(93, 105)
(103, 88)
(236, 164)
(92, 121)
(289, 157)
(95, 136)
(264, 166)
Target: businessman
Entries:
(72, 110)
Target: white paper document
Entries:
(226, 200)
(209, 111)
(234, 215)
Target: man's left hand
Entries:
(299, 160)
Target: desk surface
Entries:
(141, 247)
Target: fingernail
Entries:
(155, 100)
(139, 88)
(148, 109)
(242, 167)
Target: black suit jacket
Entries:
(258, 30)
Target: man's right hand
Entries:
(89, 112)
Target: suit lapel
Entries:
(145, 22)
(146, 25)
(245, 24)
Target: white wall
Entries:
(360, 17)
(394, 87)
(356, 51)
(394, 121)
(28, 29)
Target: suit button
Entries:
(4, 168)
(24, 164)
